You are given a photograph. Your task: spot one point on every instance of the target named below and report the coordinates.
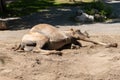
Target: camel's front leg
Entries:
(76, 44)
(100, 43)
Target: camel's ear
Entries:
(86, 34)
(72, 29)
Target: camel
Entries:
(47, 39)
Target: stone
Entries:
(84, 18)
(4, 22)
(99, 17)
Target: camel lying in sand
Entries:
(47, 39)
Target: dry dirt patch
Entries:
(86, 63)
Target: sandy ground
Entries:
(87, 63)
(92, 62)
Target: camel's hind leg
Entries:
(40, 45)
(48, 52)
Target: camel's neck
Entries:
(68, 33)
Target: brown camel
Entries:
(47, 39)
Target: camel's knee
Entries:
(112, 45)
(73, 46)
(29, 45)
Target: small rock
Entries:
(83, 17)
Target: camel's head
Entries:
(76, 33)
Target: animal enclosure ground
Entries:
(87, 63)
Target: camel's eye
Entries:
(78, 31)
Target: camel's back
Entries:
(34, 36)
(50, 31)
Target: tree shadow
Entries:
(62, 14)
(38, 11)
(116, 11)
(116, 8)
(24, 7)
(54, 15)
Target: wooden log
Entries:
(3, 25)
(4, 22)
